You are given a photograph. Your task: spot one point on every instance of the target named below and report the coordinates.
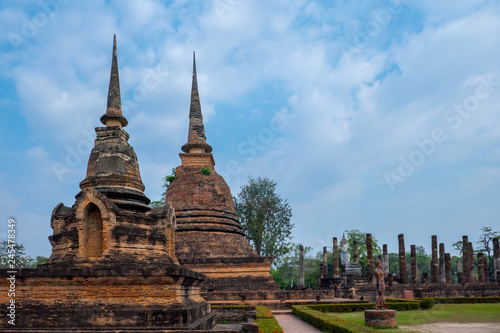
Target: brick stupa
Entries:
(113, 264)
(209, 237)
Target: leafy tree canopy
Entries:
(359, 236)
(15, 254)
(265, 217)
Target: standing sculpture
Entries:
(380, 283)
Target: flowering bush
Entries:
(266, 321)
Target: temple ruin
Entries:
(113, 262)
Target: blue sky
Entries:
(381, 116)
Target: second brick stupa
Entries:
(209, 237)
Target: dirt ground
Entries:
(453, 328)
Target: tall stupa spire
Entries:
(197, 142)
(114, 115)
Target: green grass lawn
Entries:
(455, 313)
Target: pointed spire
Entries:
(197, 142)
(114, 115)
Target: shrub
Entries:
(326, 322)
(467, 300)
(229, 307)
(206, 171)
(268, 325)
(427, 303)
(398, 305)
(263, 312)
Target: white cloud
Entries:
(353, 117)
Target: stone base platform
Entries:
(380, 318)
(233, 274)
(268, 295)
(285, 304)
(53, 298)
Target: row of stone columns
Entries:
(440, 262)
(440, 266)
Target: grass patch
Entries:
(454, 313)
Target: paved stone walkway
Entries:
(291, 324)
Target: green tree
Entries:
(458, 247)
(360, 237)
(265, 217)
(286, 274)
(423, 261)
(17, 257)
(393, 263)
(166, 181)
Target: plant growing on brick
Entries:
(206, 171)
(166, 181)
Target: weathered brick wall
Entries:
(368, 292)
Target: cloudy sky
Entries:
(381, 116)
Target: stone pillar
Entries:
(447, 267)
(385, 259)
(413, 256)
(336, 271)
(442, 277)
(434, 260)
(425, 278)
(466, 260)
(485, 270)
(480, 267)
(470, 250)
(496, 259)
(301, 267)
(403, 274)
(355, 251)
(369, 255)
(325, 262)
(460, 271)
